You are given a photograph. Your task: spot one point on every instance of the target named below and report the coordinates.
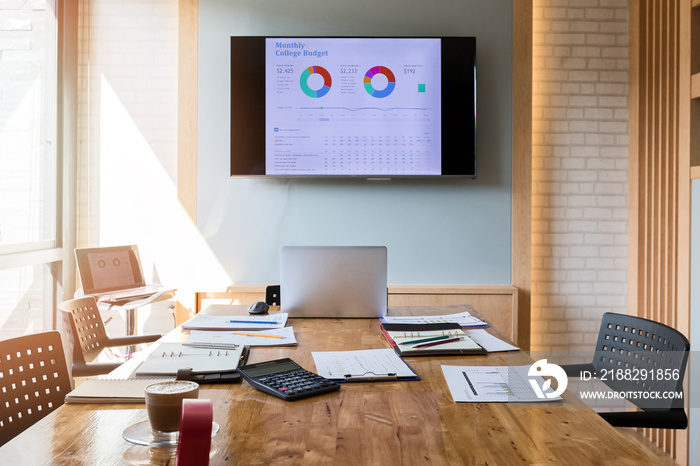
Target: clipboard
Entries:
(372, 377)
(376, 365)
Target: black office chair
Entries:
(628, 342)
(272, 295)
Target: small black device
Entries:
(258, 308)
(286, 379)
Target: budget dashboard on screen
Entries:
(342, 106)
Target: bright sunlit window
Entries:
(28, 164)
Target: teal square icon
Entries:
(421, 88)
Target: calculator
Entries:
(286, 379)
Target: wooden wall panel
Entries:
(522, 164)
(498, 304)
(659, 177)
(188, 20)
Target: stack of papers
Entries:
(490, 343)
(209, 322)
(112, 390)
(464, 319)
(208, 339)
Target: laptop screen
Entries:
(333, 281)
(109, 269)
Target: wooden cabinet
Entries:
(498, 304)
(694, 51)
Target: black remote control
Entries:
(286, 379)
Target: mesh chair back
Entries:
(645, 356)
(272, 295)
(34, 381)
(85, 328)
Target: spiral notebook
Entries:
(429, 339)
(112, 390)
(168, 358)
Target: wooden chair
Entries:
(87, 336)
(34, 381)
(636, 344)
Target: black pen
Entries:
(441, 337)
(435, 343)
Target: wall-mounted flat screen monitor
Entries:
(353, 106)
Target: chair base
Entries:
(674, 418)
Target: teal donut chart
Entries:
(303, 81)
(389, 76)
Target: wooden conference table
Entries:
(364, 423)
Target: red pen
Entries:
(441, 342)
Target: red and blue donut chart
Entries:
(389, 87)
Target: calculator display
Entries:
(258, 370)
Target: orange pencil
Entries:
(257, 335)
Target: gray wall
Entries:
(437, 231)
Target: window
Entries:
(30, 188)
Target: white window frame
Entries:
(57, 254)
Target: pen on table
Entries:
(252, 322)
(441, 337)
(257, 335)
(212, 345)
(439, 342)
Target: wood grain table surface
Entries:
(383, 423)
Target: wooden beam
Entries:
(522, 164)
(188, 19)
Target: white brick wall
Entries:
(128, 49)
(580, 142)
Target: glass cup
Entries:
(164, 407)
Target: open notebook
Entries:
(169, 358)
(414, 340)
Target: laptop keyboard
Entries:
(141, 292)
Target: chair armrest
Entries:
(88, 370)
(574, 370)
(674, 418)
(130, 340)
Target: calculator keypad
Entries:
(291, 384)
(298, 382)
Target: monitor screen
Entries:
(353, 106)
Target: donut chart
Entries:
(389, 76)
(303, 81)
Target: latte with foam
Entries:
(164, 403)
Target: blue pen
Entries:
(251, 322)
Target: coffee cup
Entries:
(164, 403)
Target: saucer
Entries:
(142, 434)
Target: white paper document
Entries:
(362, 365)
(207, 338)
(504, 384)
(465, 319)
(263, 322)
(490, 343)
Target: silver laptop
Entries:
(333, 281)
(113, 273)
